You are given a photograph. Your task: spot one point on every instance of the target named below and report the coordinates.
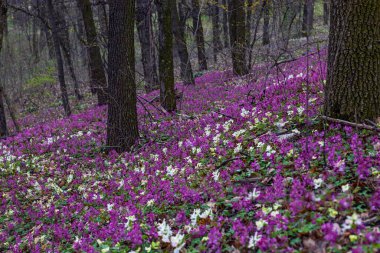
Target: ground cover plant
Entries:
(244, 166)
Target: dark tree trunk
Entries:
(266, 38)
(226, 33)
(308, 17)
(217, 44)
(165, 56)
(61, 75)
(3, 20)
(64, 41)
(148, 54)
(248, 23)
(353, 82)
(326, 12)
(122, 125)
(199, 37)
(237, 35)
(98, 80)
(179, 37)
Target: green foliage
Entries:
(43, 77)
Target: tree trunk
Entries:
(3, 20)
(165, 56)
(64, 41)
(326, 12)
(58, 56)
(98, 80)
(237, 36)
(198, 31)
(217, 44)
(353, 82)
(179, 37)
(308, 17)
(266, 38)
(226, 33)
(148, 54)
(122, 125)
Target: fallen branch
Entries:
(229, 160)
(348, 123)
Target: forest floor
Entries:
(243, 166)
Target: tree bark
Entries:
(165, 56)
(3, 20)
(217, 44)
(122, 125)
(98, 80)
(353, 82)
(64, 41)
(266, 38)
(226, 33)
(61, 75)
(308, 17)
(326, 12)
(148, 54)
(179, 37)
(199, 37)
(237, 36)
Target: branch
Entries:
(348, 123)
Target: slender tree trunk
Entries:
(353, 82)
(237, 35)
(61, 75)
(217, 44)
(64, 41)
(226, 33)
(3, 20)
(266, 38)
(308, 17)
(199, 37)
(179, 37)
(148, 54)
(326, 12)
(98, 80)
(248, 22)
(122, 125)
(11, 111)
(165, 56)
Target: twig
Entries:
(344, 122)
(229, 160)
(225, 115)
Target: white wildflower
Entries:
(345, 187)
(177, 239)
(110, 207)
(300, 110)
(238, 148)
(244, 113)
(215, 175)
(164, 231)
(253, 195)
(253, 240)
(129, 223)
(260, 224)
(318, 183)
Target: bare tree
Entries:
(165, 56)
(3, 20)
(179, 24)
(216, 42)
(98, 80)
(61, 75)
(237, 36)
(199, 37)
(122, 125)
